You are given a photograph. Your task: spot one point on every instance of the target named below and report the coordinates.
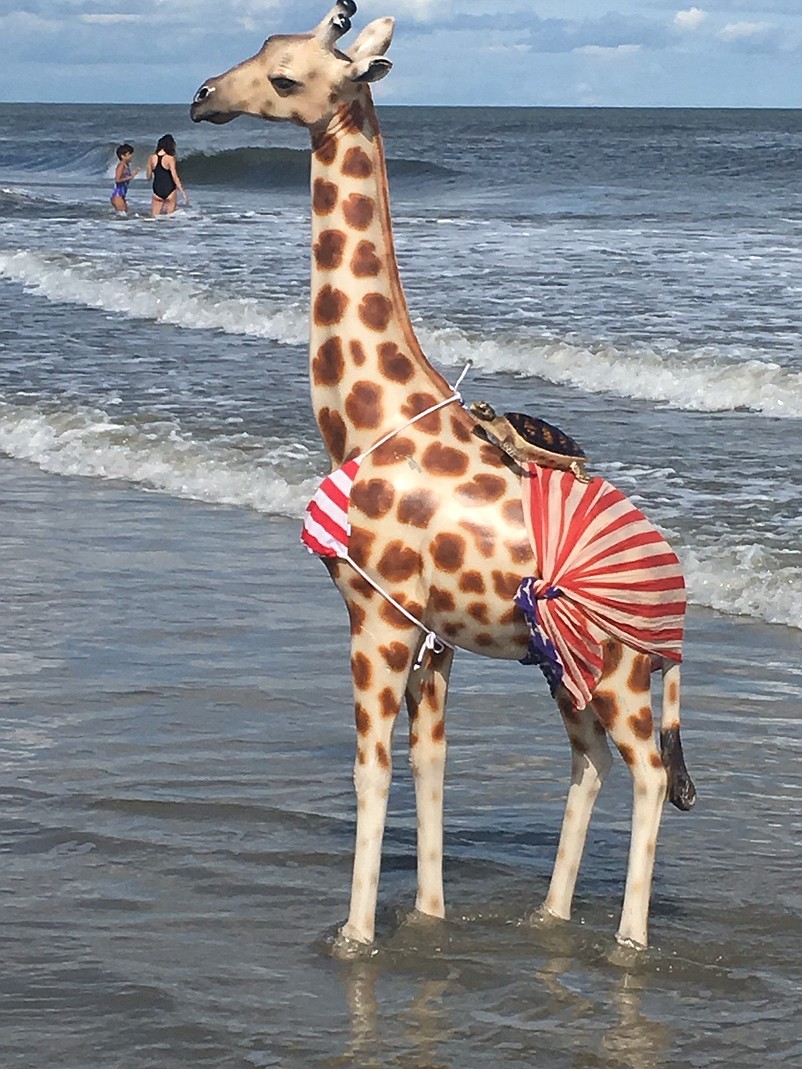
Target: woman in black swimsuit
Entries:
(166, 183)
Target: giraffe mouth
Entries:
(200, 113)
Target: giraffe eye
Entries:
(282, 85)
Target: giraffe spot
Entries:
(472, 583)
(392, 616)
(448, 552)
(428, 693)
(416, 508)
(375, 311)
(627, 753)
(361, 671)
(381, 756)
(357, 163)
(362, 719)
(365, 263)
(640, 676)
(483, 489)
(356, 615)
(358, 211)
(452, 629)
(511, 616)
(399, 562)
(460, 427)
(641, 724)
(330, 305)
(328, 249)
(362, 758)
(374, 497)
(324, 197)
(333, 433)
(513, 513)
(388, 706)
(361, 587)
(520, 551)
(328, 364)
(441, 600)
(439, 731)
(396, 656)
(360, 545)
(397, 448)
(484, 640)
(484, 537)
(419, 402)
(605, 707)
(394, 364)
(612, 655)
(326, 152)
(506, 584)
(363, 404)
(672, 692)
(357, 351)
(655, 760)
(355, 119)
(493, 457)
(441, 459)
(478, 610)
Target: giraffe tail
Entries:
(681, 791)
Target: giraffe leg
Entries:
(590, 763)
(622, 704)
(380, 675)
(426, 701)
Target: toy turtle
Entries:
(531, 441)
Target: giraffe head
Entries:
(301, 78)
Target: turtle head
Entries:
(483, 411)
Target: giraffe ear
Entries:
(370, 69)
(374, 40)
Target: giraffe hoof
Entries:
(543, 916)
(345, 948)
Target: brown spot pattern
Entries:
(627, 753)
(395, 656)
(472, 583)
(388, 706)
(374, 497)
(460, 428)
(361, 587)
(641, 675)
(439, 731)
(419, 402)
(439, 459)
(484, 640)
(324, 197)
(362, 719)
(397, 448)
(484, 537)
(399, 562)
(326, 151)
(356, 615)
(612, 654)
(513, 513)
(381, 756)
(328, 249)
(329, 363)
(641, 724)
(365, 263)
(363, 404)
(357, 350)
(375, 311)
(478, 610)
(394, 364)
(441, 600)
(358, 211)
(483, 489)
(605, 707)
(492, 456)
(520, 551)
(333, 433)
(416, 508)
(360, 545)
(448, 552)
(361, 671)
(330, 305)
(357, 163)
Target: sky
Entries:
(608, 53)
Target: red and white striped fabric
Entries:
(604, 570)
(326, 528)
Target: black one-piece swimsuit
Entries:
(163, 181)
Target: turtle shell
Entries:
(543, 435)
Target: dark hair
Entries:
(123, 149)
(166, 144)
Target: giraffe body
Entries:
(435, 511)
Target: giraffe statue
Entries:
(435, 512)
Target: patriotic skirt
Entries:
(605, 570)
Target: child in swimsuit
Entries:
(166, 183)
(122, 176)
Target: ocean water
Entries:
(177, 813)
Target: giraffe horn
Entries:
(335, 24)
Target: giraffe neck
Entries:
(368, 373)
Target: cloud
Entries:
(690, 19)
(609, 51)
(736, 31)
(109, 18)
